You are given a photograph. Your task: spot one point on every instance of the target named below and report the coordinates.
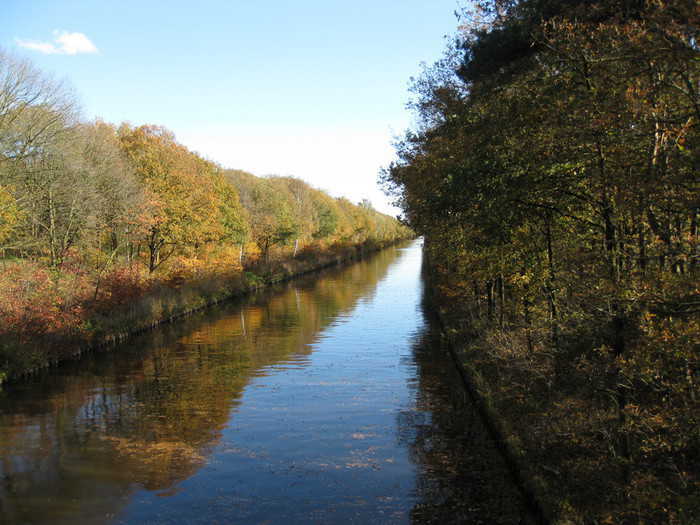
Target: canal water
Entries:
(326, 400)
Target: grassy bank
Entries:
(559, 426)
(58, 319)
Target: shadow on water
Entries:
(284, 407)
(462, 477)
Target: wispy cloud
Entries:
(64, 43)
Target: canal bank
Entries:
(507, 441)
(22, 356)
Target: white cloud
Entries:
(65, 43)
(42, 47)
(74, 43)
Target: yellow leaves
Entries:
(185, 202)
(10, 214)
(520, 279)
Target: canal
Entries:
(325, 400)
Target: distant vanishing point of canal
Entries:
(327, 400)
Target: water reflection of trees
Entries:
(461, 477)
(78, 441)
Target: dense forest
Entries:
(553, 171)
(104, 228)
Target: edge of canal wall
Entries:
(530, 485)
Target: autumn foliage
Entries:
(554, 174)
(107, 229)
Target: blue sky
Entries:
(310, 88)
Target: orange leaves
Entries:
(10, 214)
(33, 303)
(184, 197)
(121, 285)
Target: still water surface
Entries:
(327, 400)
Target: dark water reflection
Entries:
(325, 401)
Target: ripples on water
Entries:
(327, 400)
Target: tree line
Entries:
(68, 185)
(94, 214)
(554, 174)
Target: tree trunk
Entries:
(490, 299)
(266, 251)
(642, 246)
(154, 245)
(551, 285)
(693, 240)
(610, 244)
(52, 231)
(618, 347)
(501, 300)
(528, 324)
